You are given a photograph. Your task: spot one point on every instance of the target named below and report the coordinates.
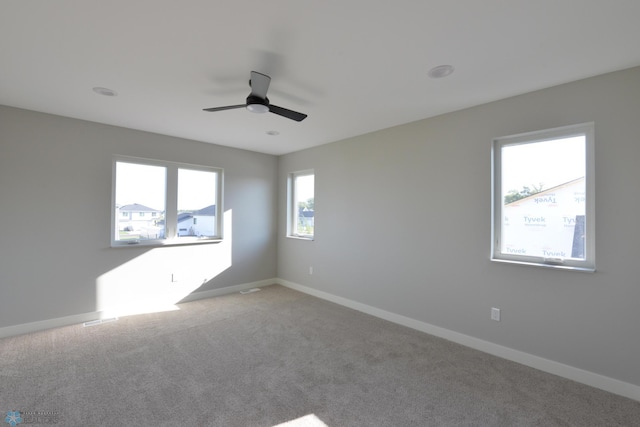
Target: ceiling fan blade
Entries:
(289, 114)
(259, 84)
(228, 107)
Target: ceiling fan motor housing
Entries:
(255, 104)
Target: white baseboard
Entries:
(576, 374)
(227, 290)
(26, 328)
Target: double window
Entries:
(543, 198)
(157, 202)
(301, 206)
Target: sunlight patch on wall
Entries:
(307, 421)
(158, 279)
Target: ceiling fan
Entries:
(257, 101)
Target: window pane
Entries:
(197, 203)
(140, 191)
(543, 198)
(304, 205)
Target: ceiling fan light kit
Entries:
(257, 101)
(256, 105)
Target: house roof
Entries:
(306, 213)
(136, 207)
(547, 191)
(207, 211)
(184, 216)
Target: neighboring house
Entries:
(140, 219)
(305, 221)
(305, 218)
(551, 222)
(198, 223)
(185, 224)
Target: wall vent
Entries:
(249, 291)
(99, 321)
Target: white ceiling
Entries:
(354, 66)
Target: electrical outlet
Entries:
(311, 271)
(174, 277)
(495, 314)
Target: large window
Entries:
(158, 202)
(301, 208)
(543, 198)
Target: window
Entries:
(197, 198)
(543, 198)
(173, 194)
(301, 212)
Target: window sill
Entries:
(545, 265)
(310, 238)
(172, 242)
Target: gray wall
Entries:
(55, 196)
(403, 224)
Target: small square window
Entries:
(543, 198)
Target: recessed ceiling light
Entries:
(273, 132)
(104, 91)
(440, 71)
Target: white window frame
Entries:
(292, 205)
(586, 265)
(171, 203)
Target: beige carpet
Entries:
(277, 356)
